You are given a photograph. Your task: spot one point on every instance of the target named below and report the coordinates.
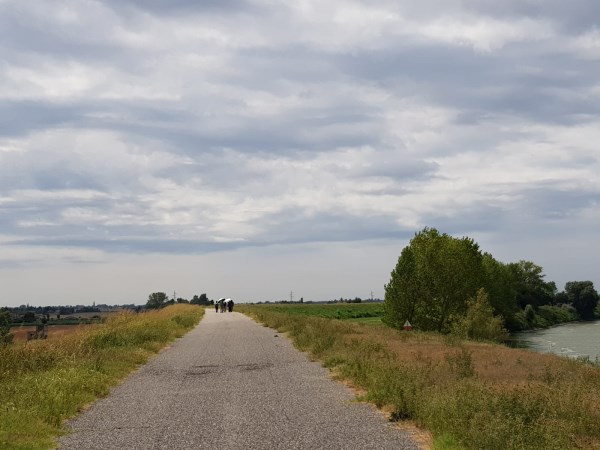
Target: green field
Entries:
(341, 311)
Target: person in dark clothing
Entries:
(230, 305)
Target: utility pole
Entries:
(371, 295)
(291, 296)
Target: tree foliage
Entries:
(157, 300)
(403, 292)
(200, 300)
(500, 287)
(530, 285)
(434, 277)
(436, 274)
(583, 297)
(6, 336)
(479, 321)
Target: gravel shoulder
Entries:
(231, 383)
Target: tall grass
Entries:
(44, 382)
(468, 395)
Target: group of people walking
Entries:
(224, 304)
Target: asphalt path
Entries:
(231, 383)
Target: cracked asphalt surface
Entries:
(230, 383)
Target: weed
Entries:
(461, 363)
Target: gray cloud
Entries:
(179, 7)
(575, 16)
(23, 117)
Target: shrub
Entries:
(529, 313)
(479, 321)
(548, 315)
(461, 363)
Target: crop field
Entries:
(342, 311)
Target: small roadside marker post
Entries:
(407, 326)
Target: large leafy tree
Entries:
(530, 285)
(500, 286)
(403, 293)
(157, 300)
(583, 297)
(434, 277)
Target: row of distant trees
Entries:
(43, 310)
(438, 278)
(347, 300)
(30, 314)
(158, 300)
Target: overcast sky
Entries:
(249, 149)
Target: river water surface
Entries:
(574, 340)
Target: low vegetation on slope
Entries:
(44, 382)
(469, 395)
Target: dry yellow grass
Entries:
(467, 394)
(43, 382)
(492, 362)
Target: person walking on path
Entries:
(230, 305)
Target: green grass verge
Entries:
(42, 383)
(468, 395)
(367, 320)
(342, 311)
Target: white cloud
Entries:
(485, 34)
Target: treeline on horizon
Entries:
(158, 300)
(65, 309)
(441, 283)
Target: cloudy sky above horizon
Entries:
(250, 148)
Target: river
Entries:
(574, 340)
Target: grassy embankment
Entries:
(44, 382)
(469, 395)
